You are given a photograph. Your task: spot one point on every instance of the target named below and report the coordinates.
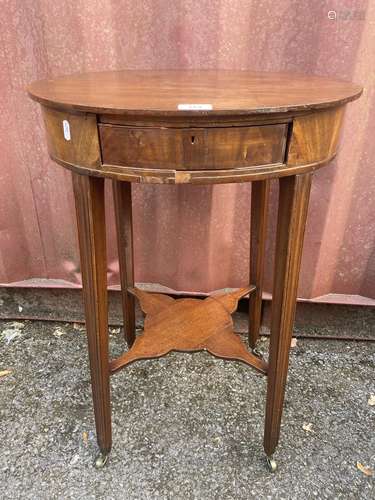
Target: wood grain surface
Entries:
(258, 233)
(195, 155)
(151, 92)
(83, 146)
(192, 148)
(189, 325)
(292, 212)
(122, 196)
(315, 136)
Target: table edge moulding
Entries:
(191, 127)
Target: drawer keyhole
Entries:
(193, 139)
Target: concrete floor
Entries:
(185, 426)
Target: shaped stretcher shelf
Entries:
(189, 325)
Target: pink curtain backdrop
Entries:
(187, 238)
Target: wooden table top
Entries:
(161, 92)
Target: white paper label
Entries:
(66, 128)
(194, 107)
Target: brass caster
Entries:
(101, 460)
(271, 464)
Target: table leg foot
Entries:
(101, 460)
(271, 464)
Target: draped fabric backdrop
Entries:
(188, 238)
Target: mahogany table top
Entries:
(219, 91)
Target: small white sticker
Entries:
(194, 107)
(66, 128)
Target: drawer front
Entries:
(192, 148)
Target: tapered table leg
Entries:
(258, 230)
(89, 201)
(124, 226)
(292, 212)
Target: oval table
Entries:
(191, 127)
